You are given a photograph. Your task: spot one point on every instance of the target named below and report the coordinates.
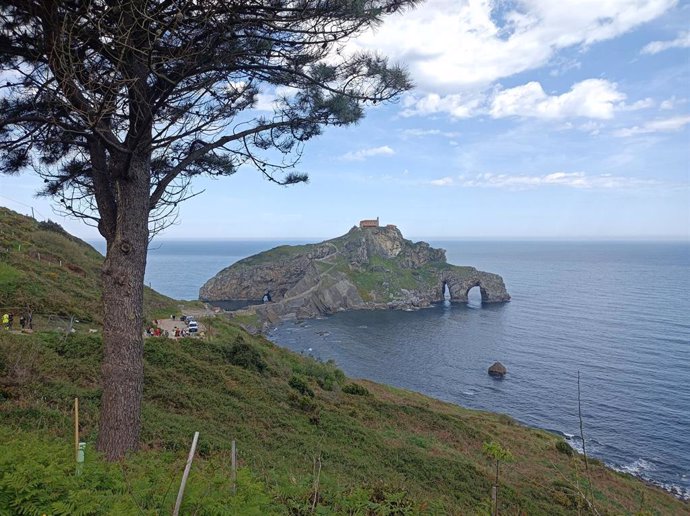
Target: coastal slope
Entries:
(367, 268)
(310, 440)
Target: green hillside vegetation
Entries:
(45, 270)
(310, 440)
(283, 252)
(379, 280)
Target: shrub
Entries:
(327, 375)
(356, 389)
(49, 225)
(39, 478)
(244, 355)
(564, 447)
(299, 383)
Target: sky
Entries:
(530, 119)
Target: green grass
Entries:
(283, 252)
(247, 320)
(380, 445)
(53, 273)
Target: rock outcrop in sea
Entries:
(497, 369)
(370, 267)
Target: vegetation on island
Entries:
(310, 440)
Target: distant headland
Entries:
(370, 267)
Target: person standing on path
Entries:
(6, 321)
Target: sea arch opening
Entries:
(445, 292)
(474, 295)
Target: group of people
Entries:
(155, 329)
(156, 332)
(25, 321)
(181, 332)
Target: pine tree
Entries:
(119, 104)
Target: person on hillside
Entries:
(6, 321)
(11, 321)
(22, 322)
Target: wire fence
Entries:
(19, 320)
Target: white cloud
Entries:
(667, 104)
(460, 105)
(420, 133)
(591, 127)
(265, 102)
(451, 43)
(592, 98)
(444, 181)
(672, 103)
(578, 180)
(682, 41)
(636, 106)
(269, 101)
(562, 66)
(665, 125)
(363, 154)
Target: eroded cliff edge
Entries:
(367, 268)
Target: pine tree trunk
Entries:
(123, 316)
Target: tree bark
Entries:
(123, 313)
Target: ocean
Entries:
(616, 312)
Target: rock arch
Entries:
(460, 282)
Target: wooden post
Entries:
(70, 326)
(234, 467)
(76, 428)
(187, 467)
(494, 501)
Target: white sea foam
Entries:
(636, 467)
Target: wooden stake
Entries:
(187, 467)
(234, 467)
(76, 428)
(317, 479)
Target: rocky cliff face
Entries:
(366, 268)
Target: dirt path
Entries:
(169, 325)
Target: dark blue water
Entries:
(617, 312)
(178, 268)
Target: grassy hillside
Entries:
(310, 440)
(382, 450)
(47, 271)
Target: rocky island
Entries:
(370, 267)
